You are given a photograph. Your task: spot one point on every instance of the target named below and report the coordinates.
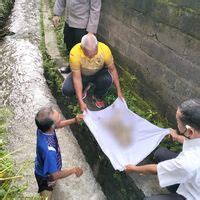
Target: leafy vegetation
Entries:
(8, 174)
(59, 32)
(5, 8)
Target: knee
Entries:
(67, 91)
(158, 154)
(106, 79)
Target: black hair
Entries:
(190, 113)
(43, 119)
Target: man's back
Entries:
(48, 157)
(183, 170)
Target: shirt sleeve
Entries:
(173, 171)
(95, 7)
(59, 7)
(108, 58)
(50, 163)
(74, 61)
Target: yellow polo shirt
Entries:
(79, 62)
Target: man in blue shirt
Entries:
(48, 162)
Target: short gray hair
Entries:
(43, 119)
(89, 41)
(190, 113)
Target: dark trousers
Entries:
(72, 36)
(162, 154)
(102, 81)
(166, 197)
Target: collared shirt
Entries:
(79, 62)
(183, 170)
(83, 14)
(48, 157)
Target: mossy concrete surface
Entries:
(5, 8)
(159, 42)
(114, 184)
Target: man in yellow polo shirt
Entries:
(91, 62)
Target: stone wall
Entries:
(159, 42)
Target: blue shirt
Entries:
(48, 158)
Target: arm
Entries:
(78, 86)
(146, 169)
(95, 7)
(114, 73)
(65, 172)
(64, 123)
(59, 8)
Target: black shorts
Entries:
(42, 183)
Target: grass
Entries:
(59, 32)
(177, 5)
(5, 8)
(8, 174)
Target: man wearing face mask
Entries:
(180, 173)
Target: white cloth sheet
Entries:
(123, 136)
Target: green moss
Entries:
(59, 32)
(177, 6)
(5, 8)
(8, 190)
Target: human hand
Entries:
(129, 168)
(78, 171)
(173, 134)
(120, 95)
(83, 106)
(91, 33)
(56, 20)
(79, 118)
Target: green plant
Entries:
(5, 8)
(8, 174)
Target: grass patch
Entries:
(5, 8)
(8, 174)
(59, 32)
(180, 5)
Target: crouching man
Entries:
(91, 62)
(179, 172)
